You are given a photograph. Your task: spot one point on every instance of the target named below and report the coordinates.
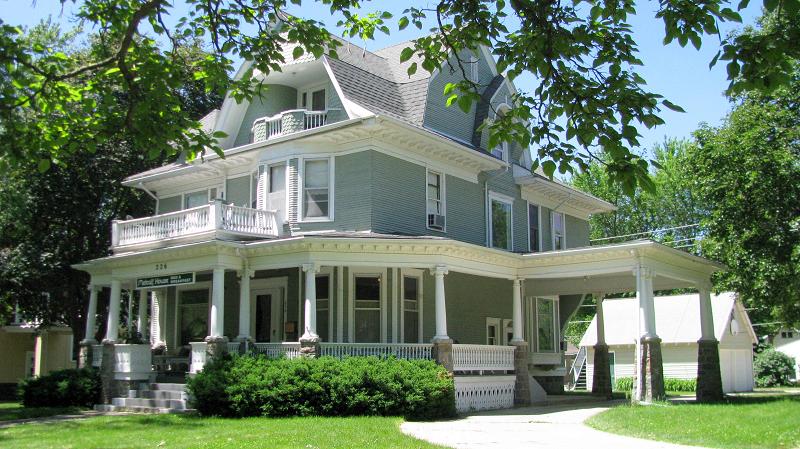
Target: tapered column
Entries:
(309, 341)
(216, 329)
(244, 306)
(141, 321)
(601, 376)
(516, 316)
(85, 357)
(440, 304)
(650, 370)
(112, 326)
(709, 378)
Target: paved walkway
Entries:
(542, 427)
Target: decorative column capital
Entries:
(704, 285)
(518, 281)
(644, 271)
(313, 267)
(439, 270)
(246, 272)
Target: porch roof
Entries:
(606, 268)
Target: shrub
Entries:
(773, 368)
(670, 384)
(257, 386)
(65, 388)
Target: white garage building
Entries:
(678, 325)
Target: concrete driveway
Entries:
(553, 426)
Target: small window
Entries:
(316, 188)
(323, 287)
(533, 228)
(545, 325)
(500, 219)
(501, 151)
(435, 194)
(557, 220)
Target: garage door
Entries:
(737, 369)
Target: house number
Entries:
(161, 266)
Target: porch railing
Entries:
(399, 350)
(288, 122)
(484, 392)
(483, 358)
(577, 366)
(214, 216)
(289, 350)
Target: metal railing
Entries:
(578, 366)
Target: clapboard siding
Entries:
(276, 98)
(577, 231)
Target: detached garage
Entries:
(678, 325)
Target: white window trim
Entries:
(504, 151)
(308, 91)
(205, 285)
(563, 231)
(504, 199)
(351, 303)
(302, 186)
(528, 205)
(533, 300)
(418, 274)
(182, 194)
(473, 69)
(443, 198)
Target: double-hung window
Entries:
(316, 189)
(199, 198)
(557, 223)
(501, 151)
(435, 196)
(323, 289)
(500, 220)
(545, 325)
(533, 228)
(313, 100)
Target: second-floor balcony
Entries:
(208, 220)
(296, 120)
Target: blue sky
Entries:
(680, 74)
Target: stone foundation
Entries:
(522, 388)
(651, 372)
(309, 347)
(601, 378)
(216, 347)
(109, 384)
(709, 378)
(443, 353)
(85, 354)
(551, 384)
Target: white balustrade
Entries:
(475, 393)
(399, 350)
(198, 357)
(132, 362)
(315, 119)
(289, 350)
(214, 216)
(97, 355)
(266, 128)
(233, 347)
(483, 358)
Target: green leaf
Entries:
(464, 103)
(412, 69)
(672, 106)
(406, 54)
(402, 23)
(549, 167)
(297, 52)
(43, 165)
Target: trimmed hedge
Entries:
(239, 386)
(65, 388)
(773, 368)
(670, 384)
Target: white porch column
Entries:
(141, 322)
(310, 305)
(644, 293)
(217, 329)
(601, 329)
(156, 306)
(91, 314)
(112, 326)
(244, 305)
(706, 314)
(441, 311)
(516, 317)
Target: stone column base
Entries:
(85, 355)
(651, 371)
(601, 378)
(216, 347)
(522, 384)
(709, 378)
(109, 384)
(442, 352)
(309, 347)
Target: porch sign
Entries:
(165, 281)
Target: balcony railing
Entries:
(214, 216)
(293, 121)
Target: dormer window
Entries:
(313, 99)
(501, 151)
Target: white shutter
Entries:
(261, 189)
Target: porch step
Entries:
(156, 397)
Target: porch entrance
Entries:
(269, 316)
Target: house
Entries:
(787, 341)
(678, 324)
(354, 213)
(31, 351)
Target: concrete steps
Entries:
(151, 398)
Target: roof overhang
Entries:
(554, 195)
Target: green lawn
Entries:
(757, 421)
(14, 410)
(175, 431)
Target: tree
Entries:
(589, 98)
(50, 220)
(746, 171)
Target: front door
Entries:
(269, 315)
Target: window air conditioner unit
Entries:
(436, 221)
